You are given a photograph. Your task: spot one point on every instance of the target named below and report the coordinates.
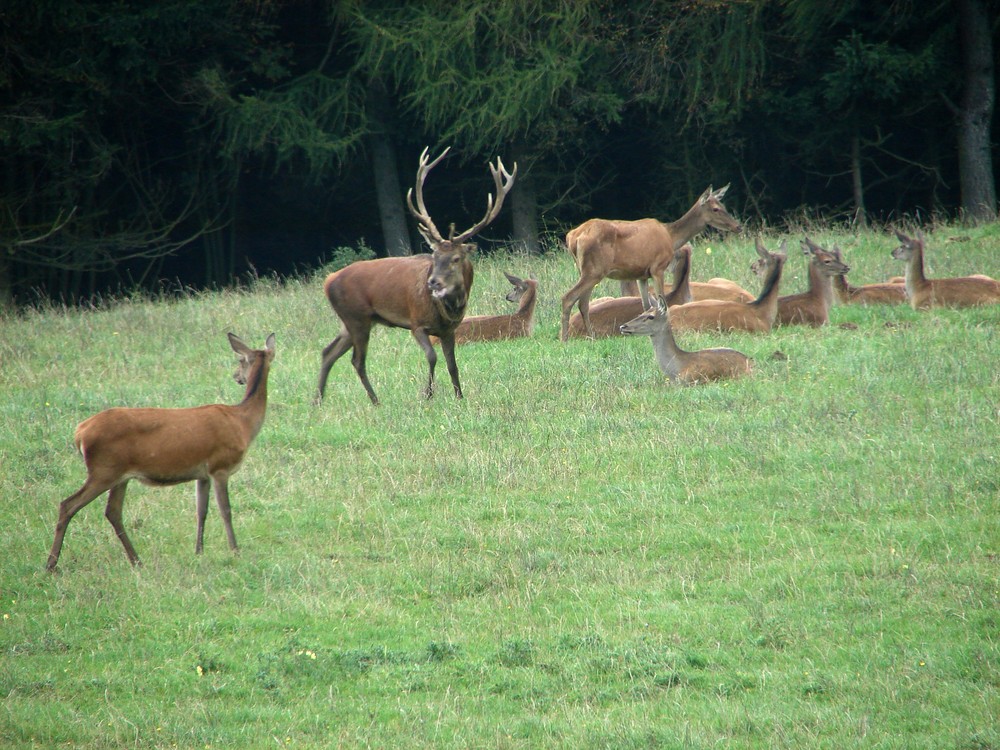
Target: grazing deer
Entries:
(812, 307)
(642, 249)
(923, 293)
(679, 365)
(425, 293)
(499, 327)
(721, 315)
(162, 447)
(887, 293)
(608, 313)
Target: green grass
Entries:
(576, 555)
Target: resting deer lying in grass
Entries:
(424, 293)
(887, 293)
(162, 447)
(923, 293)
(720, 315)
(679, 365)
(812, 307)
(608, 313)
(500, 327)
(626, 250)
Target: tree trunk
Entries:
(6, 283)
(524, 205)
(975, 117)
(391, 211)
(857, 182)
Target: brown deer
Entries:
(886, 293)
(642, 249)
(720, 315)
(608, 313)
(162, 447)
(425, 293)
(924, 293)
(812, 307)
(679, 365)
(500, 327)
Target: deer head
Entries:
(447, 274)
(716, 215)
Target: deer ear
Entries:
(706, 195)
(901, 237)
(237, 343)
(721, 191)
(512, 279)
(269, 344)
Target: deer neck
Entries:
(842, 288)
(254, 403)
(527, 304)
(681, 293)
(687, 226)
(915, 278)
(668, 354)
(768, 299)
(820, 286)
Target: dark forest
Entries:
(150, 144)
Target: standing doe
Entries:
(162, 447)
(640, 250)
(425, 293)
(965, 291)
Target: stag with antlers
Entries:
(425, 293)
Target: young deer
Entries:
(608, 313)
(499, 327)
(679, 365)
(812, 307)
(720, 315)
(923, 293)
(886, 293)
(424, 293)
(640, 250)
(162, 447)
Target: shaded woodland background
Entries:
(147, 144)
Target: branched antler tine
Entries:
(419, 211)
(503, 181)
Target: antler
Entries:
(427, 228)
(502, 179)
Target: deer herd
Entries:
(428, 295)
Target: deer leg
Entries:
(201, 509)
(644, 292)
(222, 499)
(331, 354)
(575, 295)
(448, 348)
(113, 512)
(425, 343)
(358, 360)
(69, 508)
(628, 288)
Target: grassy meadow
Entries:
(576, 555)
